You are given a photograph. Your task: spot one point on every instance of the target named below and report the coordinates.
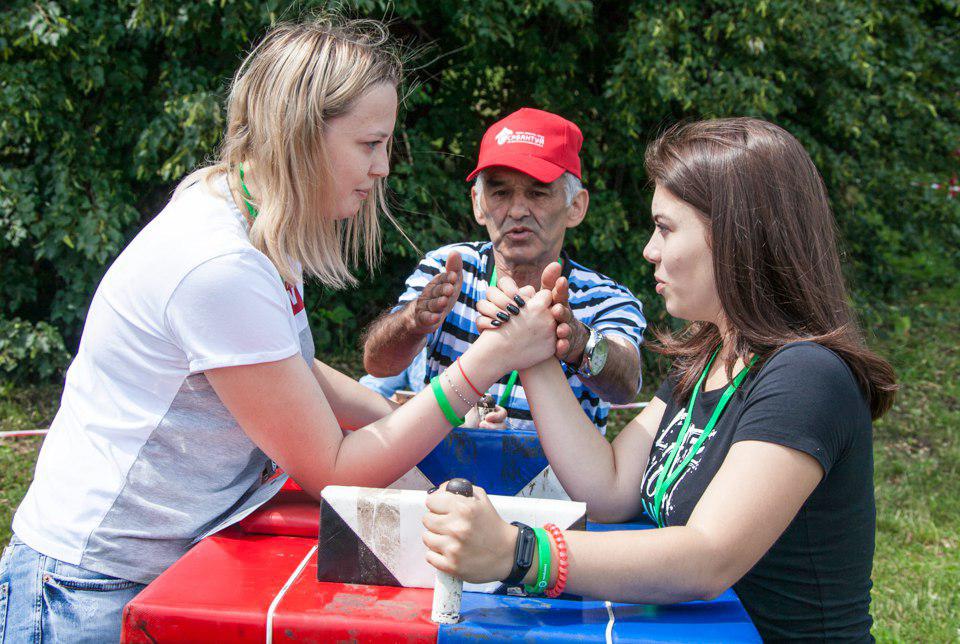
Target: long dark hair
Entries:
(774, 245)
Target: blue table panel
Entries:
(500, 618)
(499, 461)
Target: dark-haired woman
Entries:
(755, 455)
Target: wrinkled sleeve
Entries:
(232, 310)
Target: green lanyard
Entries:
(669, 475)
(253, 211)
(512, 380)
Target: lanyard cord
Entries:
(512, 380)
(253, 211)
(669, 475)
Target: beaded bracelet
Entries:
(445, 406)
(456, 391)
(563, 563)
(543, 563)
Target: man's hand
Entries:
(496, 419)
(437, 298)
(572, 335)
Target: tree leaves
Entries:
(104, 106)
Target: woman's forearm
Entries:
(580, 456)
(662, 566)
(353, 404)
(385, 449)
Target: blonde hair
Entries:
(290, 85)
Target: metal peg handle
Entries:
(447, 589)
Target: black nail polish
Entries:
(513, 309)
(520, 301)
(496, 322)
(433, 489)
(503, 316)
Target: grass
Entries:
(916, 574)
(916, 594)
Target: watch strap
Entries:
(522, 554)
(584, 368)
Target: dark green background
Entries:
(104, 105)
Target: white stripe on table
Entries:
(283, 591)
(609, 632)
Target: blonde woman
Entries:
(196, 373)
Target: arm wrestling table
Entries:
(257, 582)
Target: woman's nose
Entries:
(651, 252)
(381, 163)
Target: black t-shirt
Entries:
(814, 582)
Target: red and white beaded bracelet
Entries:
(562, 564)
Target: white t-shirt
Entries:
(142, 457)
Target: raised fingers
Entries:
(507, 285)
(527, 292)
(501, 299)
(550, 275)
(454, 265)
(561, 291)
(485, 323)
(498, 306)
(542, 298)
(488, 315)
(564, 339)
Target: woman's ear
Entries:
(578, 208)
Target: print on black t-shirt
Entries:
(660, 455)
(681, 497)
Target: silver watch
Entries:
(594, 354)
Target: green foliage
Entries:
(104, 105)
(30, 352)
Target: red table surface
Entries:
(222, 589)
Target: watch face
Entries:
(599, 356)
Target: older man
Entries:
(527, 193)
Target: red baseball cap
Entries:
(537, 143)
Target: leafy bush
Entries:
(30, 351)
(103, 106)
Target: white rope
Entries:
(609, 632)
(283, 591)
(24, 432)
(633, 405)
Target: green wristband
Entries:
(445, 405)
(543, 563)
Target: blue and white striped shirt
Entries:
(595, 300)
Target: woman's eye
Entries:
(372, 144)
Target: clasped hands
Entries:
(538, 323)
(466, 537)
